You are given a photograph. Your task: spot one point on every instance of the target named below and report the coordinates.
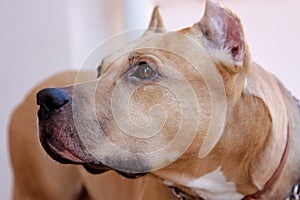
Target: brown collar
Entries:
(180, 194)
(277, 172)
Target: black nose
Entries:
(52, 98)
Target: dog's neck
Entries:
(281, 107)
(232, 169)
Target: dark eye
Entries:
(144, 71)
(99, 69)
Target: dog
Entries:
(184, 115)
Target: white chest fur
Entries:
(214, 186)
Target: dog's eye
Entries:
(144, 71)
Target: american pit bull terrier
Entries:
(184, 114)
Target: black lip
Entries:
(131, 175)
(100, 168)
(95, 169)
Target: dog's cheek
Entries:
(155, 107)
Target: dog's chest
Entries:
(215, 186)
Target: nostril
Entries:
(52, 98)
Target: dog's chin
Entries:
(131, 175)
(95, 169)
(99, 169)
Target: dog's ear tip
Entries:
(156, 23)
(223, 31)
(156, 8)
(212, 4)
(156, 12)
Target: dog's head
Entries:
(159, 101)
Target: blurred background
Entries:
(39, 38)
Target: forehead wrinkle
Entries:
(133, 56)
(107, 62)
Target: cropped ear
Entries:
(223, 34)
(157, 24)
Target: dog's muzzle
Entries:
(57, 132)
(55, 124)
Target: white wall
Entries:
(33, 44)
(38, 38)
(91, 23)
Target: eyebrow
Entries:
(133, 56)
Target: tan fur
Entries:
(248, 150)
